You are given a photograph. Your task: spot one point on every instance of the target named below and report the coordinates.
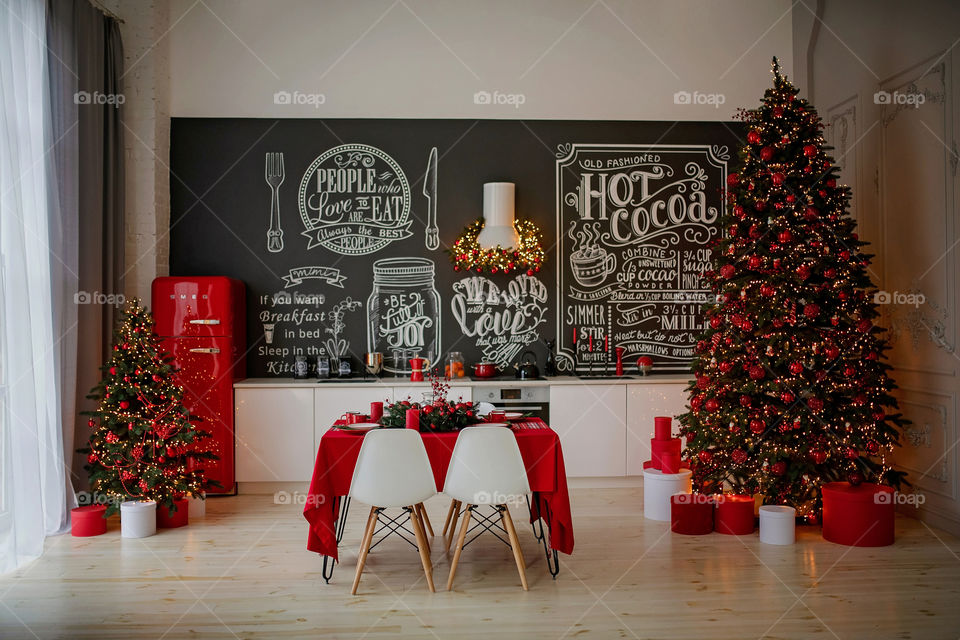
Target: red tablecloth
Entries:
(337, 456)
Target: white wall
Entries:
(902, 166)
(610, 59)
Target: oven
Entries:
(525, 398)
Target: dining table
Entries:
(328, 502)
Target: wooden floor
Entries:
(243, 572)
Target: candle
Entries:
(606, 343)
(574, 336)
(376, 411)
(413, 419)
(591, 343)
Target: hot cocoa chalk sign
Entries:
(635, 223)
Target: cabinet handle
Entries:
(205, 321)
(205, 350)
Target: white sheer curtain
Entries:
(33, 494)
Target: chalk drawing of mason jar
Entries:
(403, 312)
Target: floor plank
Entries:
(243, 571)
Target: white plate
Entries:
(491, 424)
(483, 408)
(359, 426)
(512, 415)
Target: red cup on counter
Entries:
(376, 411)
(353, 417)
(662, 426)
(496, 416)
(413, 419)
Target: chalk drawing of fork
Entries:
(274, 179)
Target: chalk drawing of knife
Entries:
(274, 176)
(432, 240)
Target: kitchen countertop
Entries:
(403, 381)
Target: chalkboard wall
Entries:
(326, 221)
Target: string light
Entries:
(467, 254)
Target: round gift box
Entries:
(691, 514)
(657, 489)
(179, 518)
(138, 518)
(860, 516)
(88, 521)
(659, 448)
(734, 515)
(778, 524)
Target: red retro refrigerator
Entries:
(202, 323)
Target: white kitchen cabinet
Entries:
(591, 421)
(644, 403)
(274, 430)
(331, 402)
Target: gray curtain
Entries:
(87, 249)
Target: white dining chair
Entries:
(393, 471)
(486, 469)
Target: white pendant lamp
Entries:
(498, 216)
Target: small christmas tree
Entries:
(141, 447)
(791, 389)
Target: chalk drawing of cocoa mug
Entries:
(591, 267)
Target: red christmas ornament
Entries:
(754, 262)
(767, 290)
(705, 456)
(738, 212)
(832, 352)
(852, 453)
(733, 180)
(855, 478)
(787, 398)
(716, 322)
(815, 404)
(725, 367)
(711, 405)
(757, 372)
(811, 310)
(784, 237)
(831, 183)
(803, 272)
(811, 213)
(778, 113)
(745, 401)
(757, 426)
(864, 326)
(171, 452)
(113, 371)
(92, 458)
(778, 468)
(753, 137)
(809, 150)
(873, 447)
(739, 456)
(727, 271)
(796, 368)
(91, 423)
(124, 404)
(766, 153)
(818, 456)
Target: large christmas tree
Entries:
(791, 387)
(142, 444)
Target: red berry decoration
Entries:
(832, 352)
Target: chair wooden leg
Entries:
(459, 547)
(418, 514)
(425, 518)
(365, 547)
(515, 545)
(446, 523)
(422, 547)
(453, 523)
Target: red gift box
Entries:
(662, 426)
(860, 516)
(178, 519)
(691, 514)
(670, 462)
(88, 521)
(734, 515)
(659, 447)
(648, 464)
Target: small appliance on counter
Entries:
(485, 369)
(527, 368)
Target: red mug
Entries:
(496, 416)
(353, 417)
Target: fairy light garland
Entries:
(466, 254)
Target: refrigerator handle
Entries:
(205, 321)
(205, 350)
